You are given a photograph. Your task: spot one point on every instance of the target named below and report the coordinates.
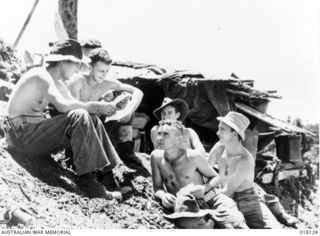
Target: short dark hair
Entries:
(239, 137)
(99, 54)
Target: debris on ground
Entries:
(52, 206)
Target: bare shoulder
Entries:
(157, 155)
(246, 157)
(38, 74)
(194, 155)
(189, 131)
(217, 150)
(219, 146)
(76, 79)
(112, 83)
(120, 86)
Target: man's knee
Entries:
(78, 115)
(95, 119)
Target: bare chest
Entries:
(90, 93)
(177, 175)
(228, 165)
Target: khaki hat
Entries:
(237, 121)
(186, 206)
(180, 105)
(67, 50)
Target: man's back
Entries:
(28, 97)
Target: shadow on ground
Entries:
(46, 170)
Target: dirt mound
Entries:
(11, 67)
(48, 194)
(57, 204)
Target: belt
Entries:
(207, 201)
(244, 192)
(210, 195)
(25, 119)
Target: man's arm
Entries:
(195, 141)
(166, 198)
(153, 136)
(156, 177)
(207, 171)
(137, 94)
(215, 153)
(64, 104)
(74, 85)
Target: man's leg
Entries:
(125, 145)
(251, 210)
(268, 218)
(91, 146)
(226, 214)
(121, 137)
(256, 213)
(273, 203)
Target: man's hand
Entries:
(107, 108)
(168, 200)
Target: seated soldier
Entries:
(76, 128)
(121, 132)
(236, 169)
(176, 109)
(92, 87)
(174, 167)
(270, 200)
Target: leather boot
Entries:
(281, 214)
(109, 182)
(126, 153)
(91, 188)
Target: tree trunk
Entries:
(68, 10)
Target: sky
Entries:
(274, 42)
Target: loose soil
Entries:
(48, 194)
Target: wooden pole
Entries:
(25, 24)
(68, 10)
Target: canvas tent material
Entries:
(206, 97)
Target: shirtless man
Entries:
(174, 168)
(92, 87)
(176, 109)
(236, 169)
(31, 133)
